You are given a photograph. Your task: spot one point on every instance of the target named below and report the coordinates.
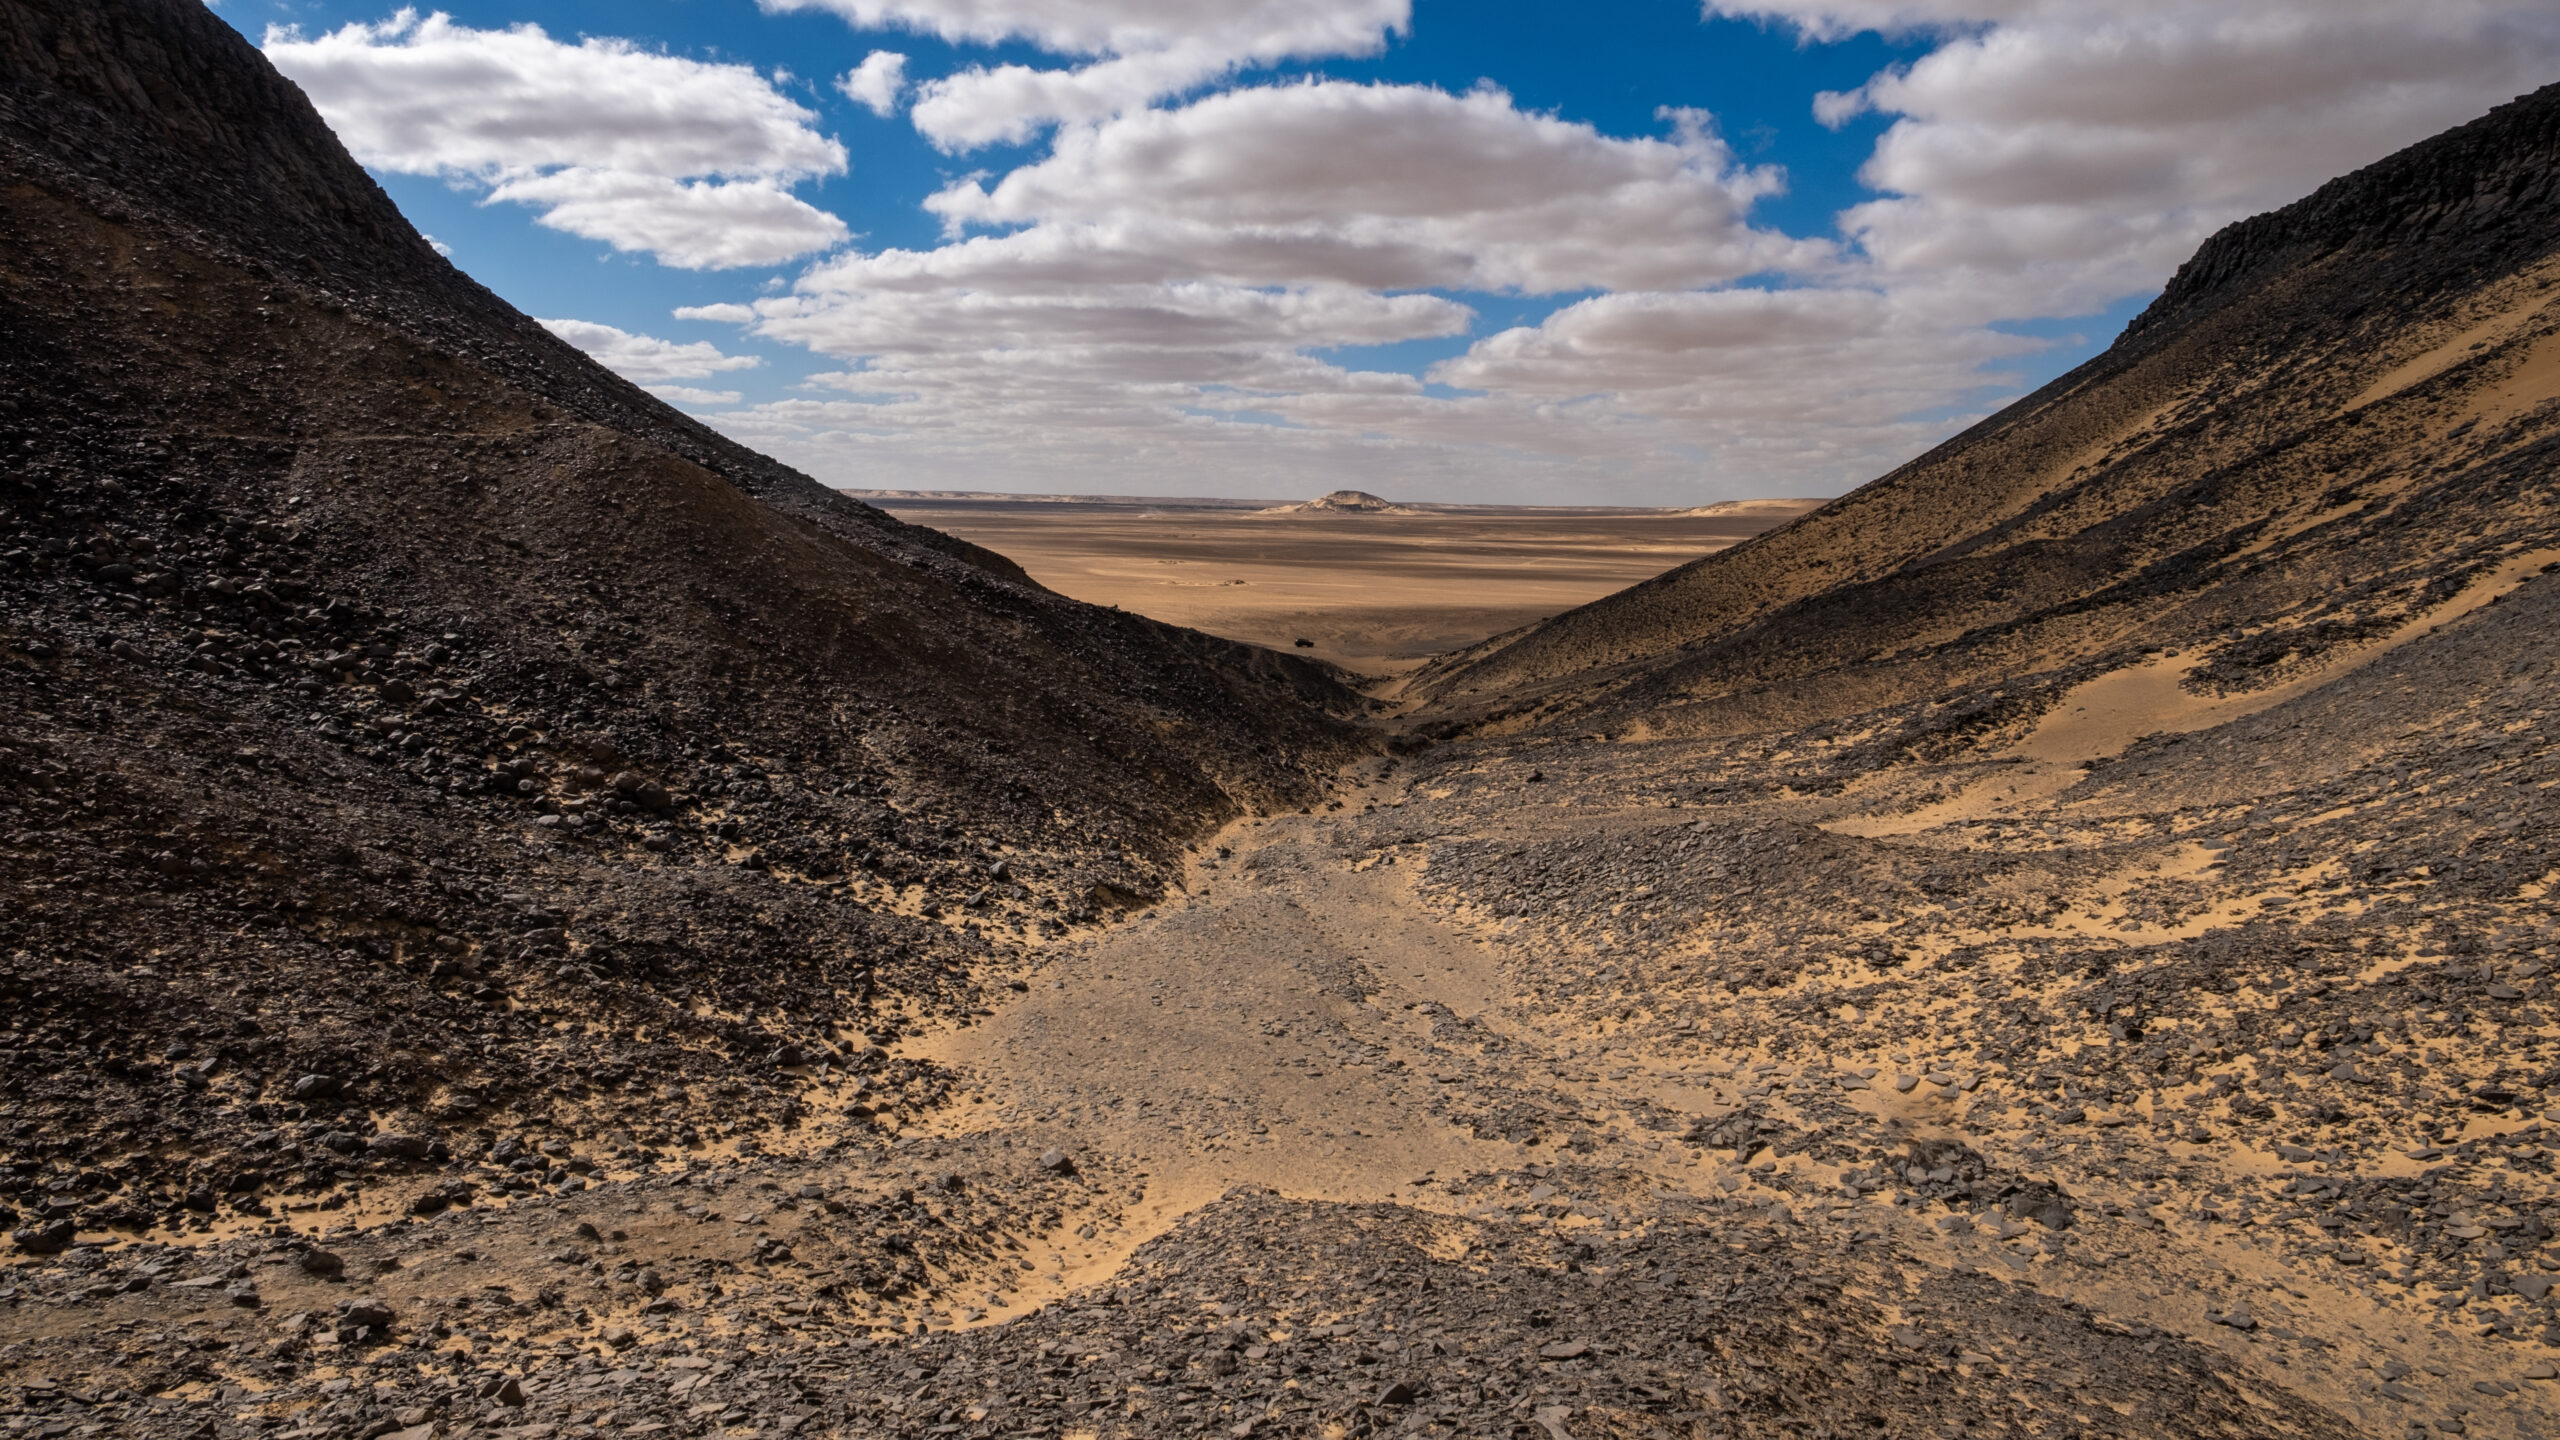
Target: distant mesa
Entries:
(1355, 500)
(1348, 502)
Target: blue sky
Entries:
(1619, 252)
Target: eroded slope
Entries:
(2335, 416)
(409, 729)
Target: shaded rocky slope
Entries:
(389, 695)
(2333, 413)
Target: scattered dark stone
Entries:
(400, 1147)
(448, 1195)
(50, 1238)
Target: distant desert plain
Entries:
(1372, 585)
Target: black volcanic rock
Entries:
(2463, 205)
(384, 684)
(2240, 456)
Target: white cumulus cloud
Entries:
(877, 83)
(2050, 155)
(689, 395)
(1733, 353)
(690, 224)
(1184, 272)
(646, 358)
(1388, 186)
(1174, 295)
(1261, 28)
(1143, 50)
(644, 151)
(1008, 104)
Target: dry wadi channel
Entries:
(1358, 1006)
(1453, 1104)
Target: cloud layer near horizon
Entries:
(1192, 276)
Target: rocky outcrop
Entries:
(2477, 197)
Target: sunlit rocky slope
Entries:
(2333, 418)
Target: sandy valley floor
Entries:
(1376, 593)
(1554, 1090)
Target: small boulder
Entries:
(50, 1238)
(400, 1147)
(323, 1264)
(640, 790)
(1056, 1162)
(318, 1087)
(446, 1196)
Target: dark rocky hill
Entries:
(2333, 412)
(388, 694)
